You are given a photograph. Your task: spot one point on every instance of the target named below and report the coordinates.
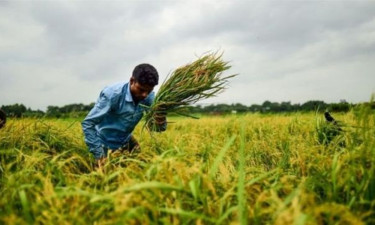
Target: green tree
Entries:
(15, 110)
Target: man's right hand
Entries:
(159, 123)
(160, 119)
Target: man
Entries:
(109, 125)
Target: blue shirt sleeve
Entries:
(95, 116)
(150, 99)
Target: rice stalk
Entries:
(241, 193)
(219, 158)
(25, 206)
(187, 214)
(150, 185)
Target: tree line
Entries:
(81, 110)
(275, 107)
(71, 110)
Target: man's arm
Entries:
(95, 116)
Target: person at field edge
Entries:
(3, 118)
(119, 108)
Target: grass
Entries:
(236, 169)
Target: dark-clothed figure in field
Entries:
(332, 120)
(119, 108)
(3, 118)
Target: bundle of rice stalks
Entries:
(188, 84)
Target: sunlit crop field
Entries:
(236, 169)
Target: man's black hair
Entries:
(146, 74)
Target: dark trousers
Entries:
(129, 147)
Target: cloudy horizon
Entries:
(64, 52)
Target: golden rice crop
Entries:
(249, 169)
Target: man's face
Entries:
(139, 92)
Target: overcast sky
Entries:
(62, 52)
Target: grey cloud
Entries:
(277, 25)
(82, 27)
(92, 37)
(279, 48)
(70, 29)
(282, 31)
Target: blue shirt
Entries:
(112, 120)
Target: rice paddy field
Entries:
(234, 169)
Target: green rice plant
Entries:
(334, 174)
(328, 133)
(151, 185)
(25, 205)
(188, 84)
(242, 206)
(220, 156)
(187, 214)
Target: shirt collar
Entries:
(128, 96)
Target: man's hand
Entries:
(159, 122)
(160, 119)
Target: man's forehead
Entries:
(144, 86)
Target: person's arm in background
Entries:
(95, 116)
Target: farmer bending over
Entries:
(109, 125)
